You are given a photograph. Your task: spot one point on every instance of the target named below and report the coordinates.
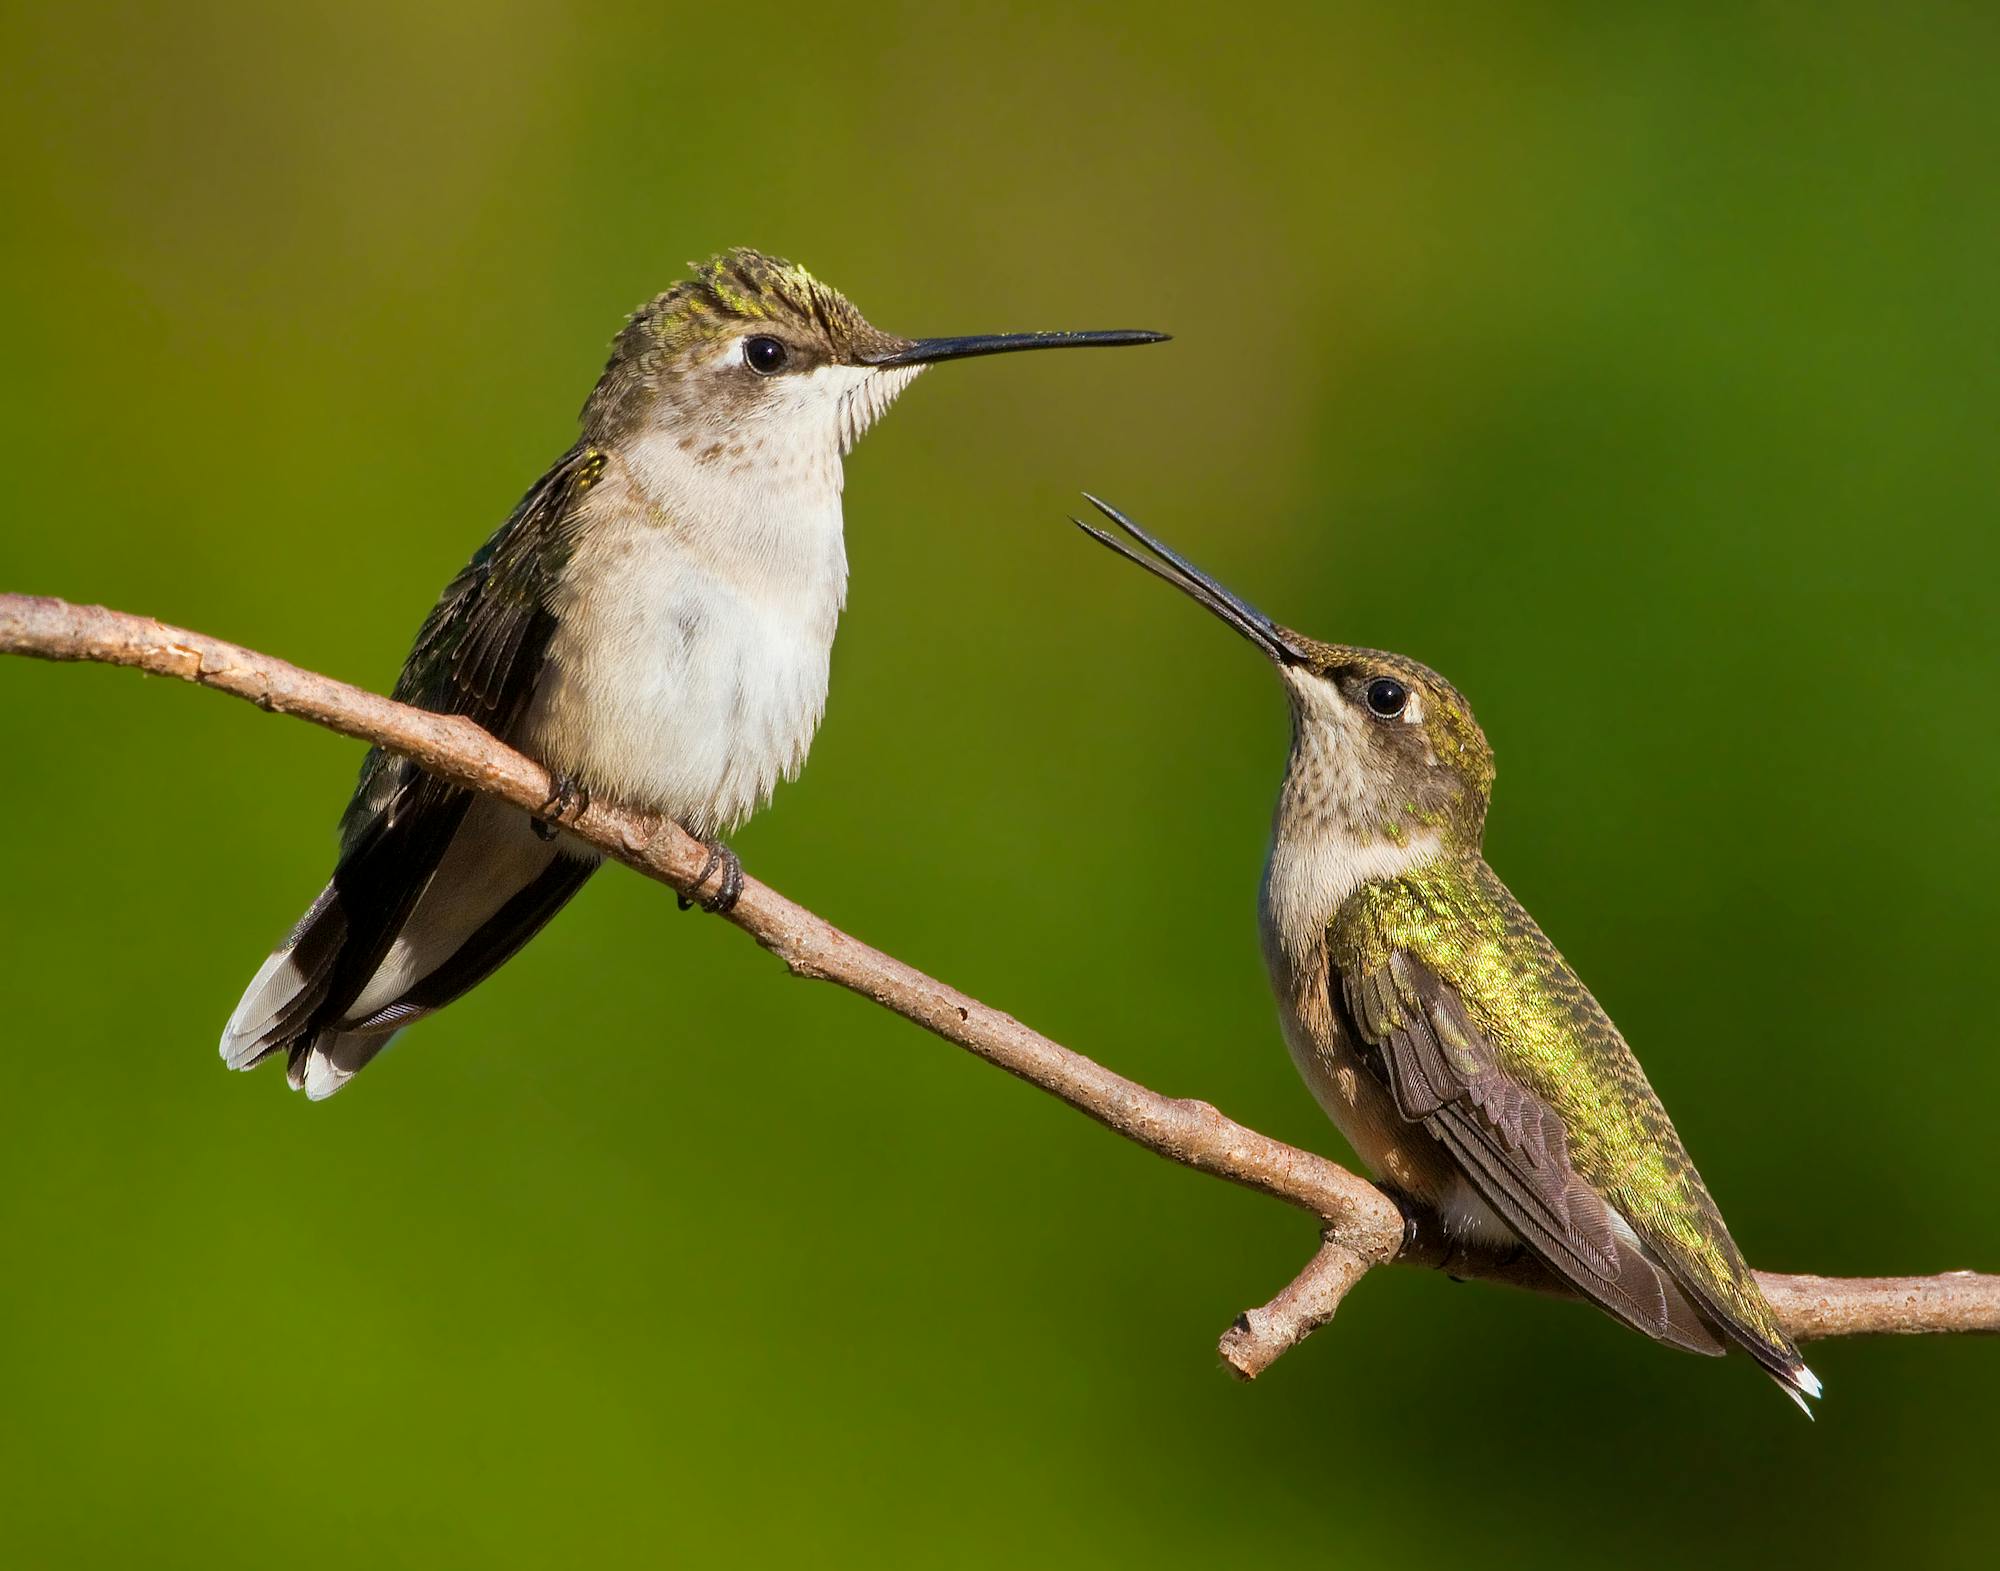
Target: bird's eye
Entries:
(1386, 697)
(765, 356)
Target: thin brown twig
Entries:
(1361, 1227)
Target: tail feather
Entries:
(395, 936)
(322, 1064)
(1798, 1382)
(287, 988)
(1758, 1334)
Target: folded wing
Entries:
(434, 888)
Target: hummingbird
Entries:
(1458, 1053)
(652, 623)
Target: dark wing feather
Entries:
(478, 654)
(1510, 1144)
(480, 651)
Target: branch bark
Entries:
(1360, 1227)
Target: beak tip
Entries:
(1108, 510)
(1163, 562)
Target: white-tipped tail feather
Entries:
(277, 983)
(1798, 1383)
(494, 886)
(334, 1060)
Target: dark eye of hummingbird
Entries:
(1386, 697)
(765, 356)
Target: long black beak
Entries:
(1167, 563)
(926, 351)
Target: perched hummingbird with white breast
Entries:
(1440, 1030)
(653, 624)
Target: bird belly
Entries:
(675, 687)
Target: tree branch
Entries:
(1360, 1227)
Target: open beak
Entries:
(1167, 563)
(927, 351)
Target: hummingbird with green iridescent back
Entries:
(1440, 1030)
(653, 623)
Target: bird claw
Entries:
(1412, 1214)
(1458, 1258)
(728, 889)
(568, 798)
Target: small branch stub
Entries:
(1262, 1336)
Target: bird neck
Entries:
(1335, 829)
(1319, 856)
(762, 515)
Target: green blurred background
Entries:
(1636, 369)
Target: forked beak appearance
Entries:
(1167, 563)
(928, 351)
